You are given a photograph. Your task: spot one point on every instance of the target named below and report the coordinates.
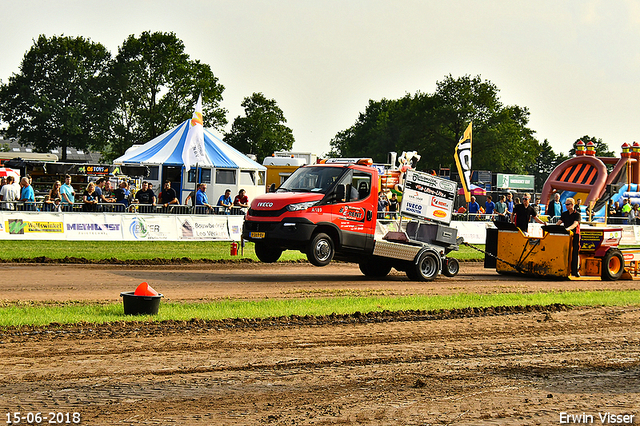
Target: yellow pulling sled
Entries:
(510, 251)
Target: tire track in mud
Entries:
(477, 368)
(474, 347)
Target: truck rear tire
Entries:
(320, 250)
(612, 265)
(412, 274)
(267, 254)
(451, 267)
(375, 267)
(427, 266)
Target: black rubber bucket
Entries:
(140, 305)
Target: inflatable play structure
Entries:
(585, 177)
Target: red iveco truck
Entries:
(330, 211)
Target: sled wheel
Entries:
(451, 267)
(267, 254)
(612, 265)
(320, 250)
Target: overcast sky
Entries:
(575, 64)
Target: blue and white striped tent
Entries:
(166, 150)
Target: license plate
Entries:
(258, 235)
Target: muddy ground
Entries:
(513, 366)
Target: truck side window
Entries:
(362, 182)
(357, 186)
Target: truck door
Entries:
(355, 214)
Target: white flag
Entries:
(193, 151)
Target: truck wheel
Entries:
(412, 273)
(427, 267)
(612, 265)
(267, 254)
(451, 267)
(375, 267)
(320, 251)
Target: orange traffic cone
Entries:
(145, 289)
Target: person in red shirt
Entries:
(241, 200)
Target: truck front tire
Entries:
(320, 250)
(267, 254)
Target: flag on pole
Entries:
(463, 161)
(193, 151)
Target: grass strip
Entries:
(139, 250)
(18, 315)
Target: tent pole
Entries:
(195, 191)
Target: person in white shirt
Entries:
(9, 192)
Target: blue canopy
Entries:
(167, 148)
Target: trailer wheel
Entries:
(451, 267)
(375, 267)
(267, 254)
(427, 266)
(612, 265)
(320, 250)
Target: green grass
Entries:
(136, 250)
(39, 315)
(130, 250)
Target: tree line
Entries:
(71, 92)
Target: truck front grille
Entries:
(266, 213)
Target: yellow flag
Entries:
(463, 161)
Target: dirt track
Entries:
(482, 368)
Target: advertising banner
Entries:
(523, 182)
(203, 228)
(428, 197)
(32, 226)
(93, 226)
(235, 227)
(149, 228)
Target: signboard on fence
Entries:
(16, 225)
(523, 182)
(35, 226)
(428, 197)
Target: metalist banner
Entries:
(515, 181)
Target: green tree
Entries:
(61, 97)
(406, 124)
(501, 139)
(262, 130)
(158, 85)
(544, 164)
(433, 125)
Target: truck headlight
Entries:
(300, 206)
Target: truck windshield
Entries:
(312, 179)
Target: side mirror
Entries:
(272, 187)
(340, 192)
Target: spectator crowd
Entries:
(502, 210)
(100, 196)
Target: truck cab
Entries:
(324, 210)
